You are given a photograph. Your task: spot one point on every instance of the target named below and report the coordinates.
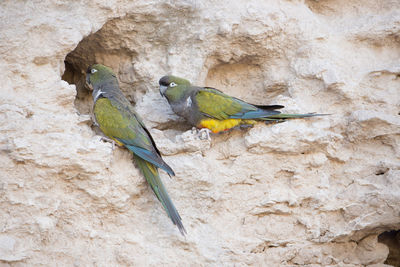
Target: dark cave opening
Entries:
(117, 46)
(102, 47)
(392, 240)
(73, 75)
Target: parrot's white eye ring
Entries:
(93, 71)
(172, 84)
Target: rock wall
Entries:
(305, 192)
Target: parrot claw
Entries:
(204, 134)
(94, 122)
(105, 139)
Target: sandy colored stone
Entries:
(313, 192)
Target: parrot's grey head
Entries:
(97, 74)
(168, 82)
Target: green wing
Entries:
(213, 103)
(118, 121)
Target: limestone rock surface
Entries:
(313, 192)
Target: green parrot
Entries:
(117, 119)
(209, 108)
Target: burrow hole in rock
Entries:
(121, 44)
(392, 240)
(102, 47)
(381, 171)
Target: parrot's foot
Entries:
(105, 139)
(204, 134)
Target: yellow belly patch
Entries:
(217, 126)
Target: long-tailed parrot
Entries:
(117, 119)
(206, 107)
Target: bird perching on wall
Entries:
(209, 108)
(116, 117)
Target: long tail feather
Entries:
(150, 172)
(283, 116)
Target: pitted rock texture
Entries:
(313, 192)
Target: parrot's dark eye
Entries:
(93, 71)
(172, 84)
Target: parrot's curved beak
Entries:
(163, 88)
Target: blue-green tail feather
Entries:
(150, 172)
(282, 116)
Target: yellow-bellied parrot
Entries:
(206, 107)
